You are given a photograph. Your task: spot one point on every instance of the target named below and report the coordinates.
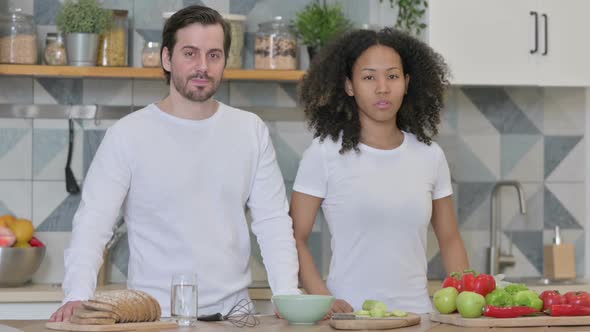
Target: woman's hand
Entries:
(339, 306)
(65, 311)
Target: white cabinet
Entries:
(513, 42)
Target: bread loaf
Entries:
(120, 306)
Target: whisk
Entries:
(240, 315)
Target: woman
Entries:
(373, 101)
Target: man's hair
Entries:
(187, 16)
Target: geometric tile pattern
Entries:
(492, 133)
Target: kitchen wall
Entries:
(533, 135)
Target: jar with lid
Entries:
(237, 24)
(112, 46)
(55, 50)
(150, 56)
(275, 46)
(18, 38)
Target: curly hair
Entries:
(331, 112)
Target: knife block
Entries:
(559, 261)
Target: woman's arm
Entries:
(304, 209)
(446, 228)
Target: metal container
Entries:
(82, 49)
(17, 265)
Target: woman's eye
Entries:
(393, 76)
(368, 78)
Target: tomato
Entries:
(484, 284)
(551, 297)
(581, 298)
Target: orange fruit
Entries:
(23, 229)
(21, 245)
(7, 220)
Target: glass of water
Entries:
(183, 299)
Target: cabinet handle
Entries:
(546, 19)
(536, 49)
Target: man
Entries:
(185, 169)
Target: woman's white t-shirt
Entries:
(378, 205)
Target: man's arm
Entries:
(271, 222)
(104, 191)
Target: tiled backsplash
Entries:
(533, 135)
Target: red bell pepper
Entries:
(551, 297)
(35, 242)
(468, 281)
(453, 280)
(508, 312)
(569, 310)
(484, 284)
(578, 298)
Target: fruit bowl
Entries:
(303, 309)
(17, 265)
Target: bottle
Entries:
(275, 46)
(150, 55)
(55, 50)
(18, 38)
(237, 23)
(112, 46)
(559, 259)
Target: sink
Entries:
(540, 281)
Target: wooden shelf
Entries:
(140, 73)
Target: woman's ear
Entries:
(407, 83)
(348, 88)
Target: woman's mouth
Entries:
(383, 104)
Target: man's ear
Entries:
(348, 88)
(166, 59)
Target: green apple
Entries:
(470, 304)
(445, 300)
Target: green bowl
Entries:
(303, 309)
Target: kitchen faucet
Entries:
(496, 259)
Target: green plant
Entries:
(317, 24)
(410, 13)
(83, 16)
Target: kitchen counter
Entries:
(53, 292)
(270, 323)
(259, 290)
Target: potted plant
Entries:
(82, 22)
(409, 15)
(319, 23)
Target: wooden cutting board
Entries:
(375, 323)
(456, 319)
(67, 326)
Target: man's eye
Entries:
(189, 53)
(368, 78)
(215, 55)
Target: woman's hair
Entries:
(331, 112)
(191, 15)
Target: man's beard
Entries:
(198, 95)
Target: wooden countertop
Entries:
(270, 323)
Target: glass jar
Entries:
(55, 50)
(112, 46)
(150, 56)
(18, 38)
(237, 24)
(275, 46)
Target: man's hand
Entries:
(65, 311)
